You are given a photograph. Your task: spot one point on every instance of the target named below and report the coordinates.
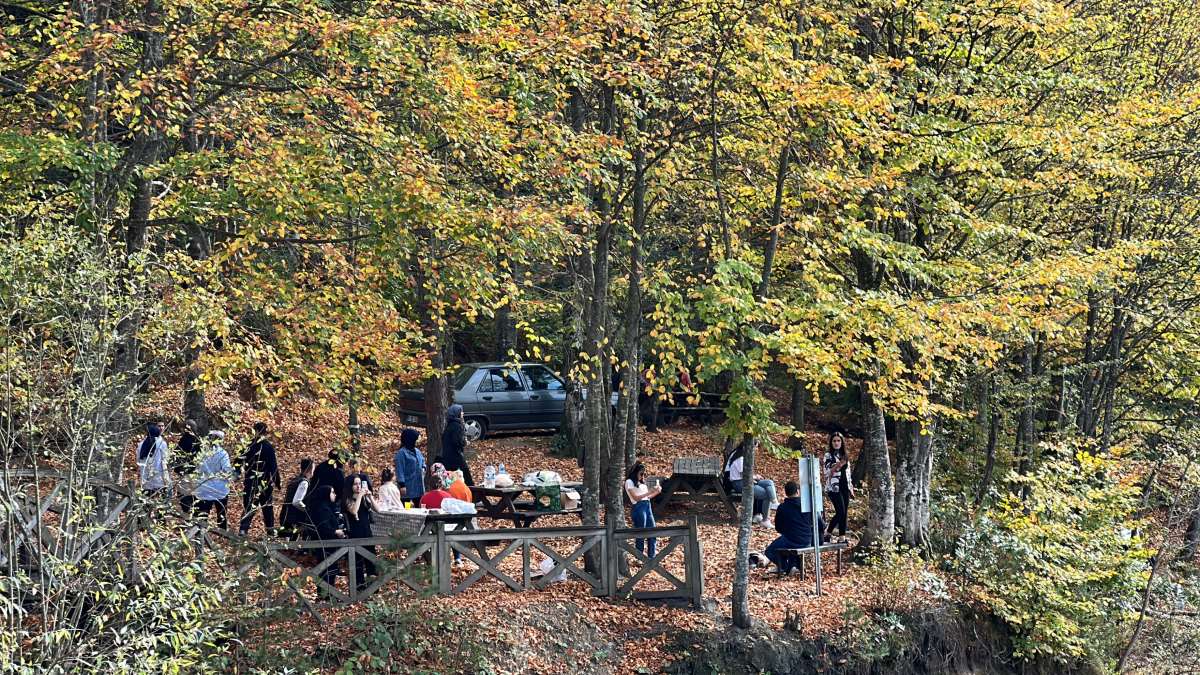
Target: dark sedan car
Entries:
(497, 396)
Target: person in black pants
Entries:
(260, 478)
(183, 461)
(327, 526)
(838, 486)
(357, 505)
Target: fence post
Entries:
(695, 562)
(611, 557)
(441, 559)
(352, 573)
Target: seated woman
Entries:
(389, 498)
(327, 525)
(795, 527)
(458, 487)
(764, 488)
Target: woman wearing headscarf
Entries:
(326, 520)
(153, 461)
(410, 466)
(454, 443)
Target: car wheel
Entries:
(475, 428)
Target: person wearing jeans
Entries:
(764, 488)
(640, 496)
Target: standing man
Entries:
(183, 463)
(259, 479)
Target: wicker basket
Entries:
(397, 523)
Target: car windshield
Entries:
(462, 376)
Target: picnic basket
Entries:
(397, 523)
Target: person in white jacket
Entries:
(212, 480)
(153, 462)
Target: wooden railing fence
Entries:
(420, 564)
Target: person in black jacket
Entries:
(330, 473)
(795, 527)
(183, 461)
(294, 516)
(357, 506)
(454, 444)
(327, 525)
(259, 479)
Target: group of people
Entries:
(335, 500)
(200, 473)
(795, 525)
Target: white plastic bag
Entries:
(548, 564)
(452, 505)
(542, 478)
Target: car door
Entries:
(504, 398)
(547, 395)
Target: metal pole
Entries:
(814, 488)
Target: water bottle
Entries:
(489, 476)
(501, 470)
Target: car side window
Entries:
(501, 379)
(541, 379)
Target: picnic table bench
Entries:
(798, 555)
(664, 411)
(505, 503)
(696, 479)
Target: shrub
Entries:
(1055, 561)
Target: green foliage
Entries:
(1055, 559)
(162, 614)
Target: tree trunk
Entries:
(628, 398)
(914, 472)
(741, 559)
(597, 430)
(881, 515)
(1192, 538)
(989, 465)
(799, 400)
(143, 152)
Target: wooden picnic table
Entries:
(505, 503)
(696, 479)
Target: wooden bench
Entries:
(799, 553)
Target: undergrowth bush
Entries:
(1055, 561)
(384, 636)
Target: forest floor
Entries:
(563, 628)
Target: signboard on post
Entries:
(812, 502)
(810, 474)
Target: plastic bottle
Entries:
(489, 476)
(501, 470)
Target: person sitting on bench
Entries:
(764, 488)
(795, 527)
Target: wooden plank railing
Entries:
(417, 564)
(422, 564)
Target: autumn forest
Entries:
(964, 233)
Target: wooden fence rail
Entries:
(418, 564)
(423, 563)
